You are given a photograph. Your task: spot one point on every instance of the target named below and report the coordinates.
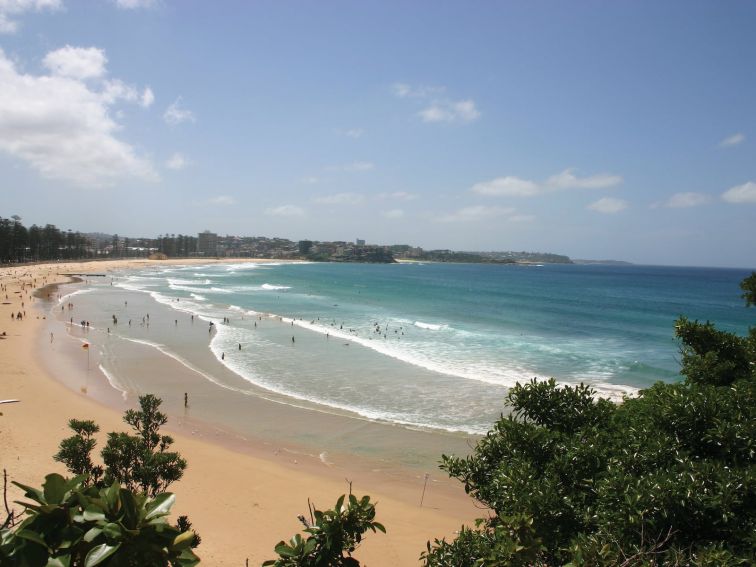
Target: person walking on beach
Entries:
(186, 400)
(292, 340)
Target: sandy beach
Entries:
(243, 494)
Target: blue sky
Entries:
(621, 130)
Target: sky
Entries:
(601, 130)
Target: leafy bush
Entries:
(332, 534)
(69, 524)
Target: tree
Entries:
(667, 478)
(141, 462)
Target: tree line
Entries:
(40, 243)
(49, 243)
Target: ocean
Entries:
(419, 345)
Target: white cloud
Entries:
(511, 186)
(222, 200)
(521, 218)
(115, 90)
(285, 211)
(685, 200)
(733, 140)
(341, 199)
(352, 167)
(354, 133)
(475, 213)
(403, 90)
(568, 180)
(311, 180)
(63, 128)
(393, 214)
(13, 8)
(608, 205)
(176, 162)
(507, 186)
(397, 195)
(76, 62)
(134, 4)
(175, 115)
(450, 111)
(148, 97)
(745, 193)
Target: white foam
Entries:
(114, 382)
(77, 292)
(178, 281)
(271, 287)
(219, 290)
(430, 326)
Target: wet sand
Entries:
(247, 478)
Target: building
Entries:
(207, 243)
(360, 242)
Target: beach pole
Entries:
(424, 485)
(85, 346)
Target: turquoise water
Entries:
(434, 345)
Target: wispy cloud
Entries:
(450, 111)
(10, 10)
(568, 180)
(511, 186)
(63, 126)
(175, 114)
(353, 133)
(608, 205)
(176, 162)
(148, 97)
(397, 196)
(733, 140)
(745, 193)
(522, 218)
(684, 200)
(404, 90)
(340, 199)
(310, 180)
(224, 200)
(508, 186)
(285, 211)
(393, 214)
(439, 108)
(352, 167)
(475, 213)
(134, 4)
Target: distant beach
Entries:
(260, 465)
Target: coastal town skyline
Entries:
(616, 132)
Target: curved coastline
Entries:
(275, 476)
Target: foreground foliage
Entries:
(69, 524)
(140, 461)
(331, 535)
(666, 478)
(112, 514)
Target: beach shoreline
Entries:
(242, 495)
